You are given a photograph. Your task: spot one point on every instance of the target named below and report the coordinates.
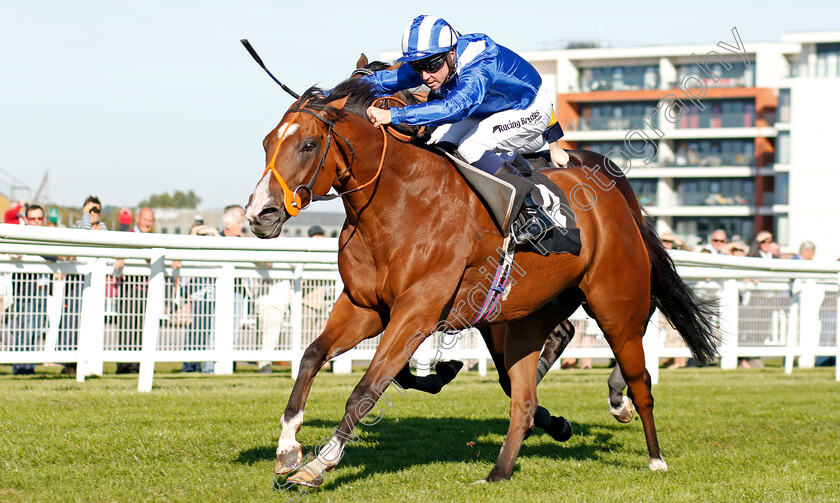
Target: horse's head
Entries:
(305, 156)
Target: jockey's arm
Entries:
(459, 103)
(388, 82)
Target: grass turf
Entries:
(742, 435)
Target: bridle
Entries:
(291, 200)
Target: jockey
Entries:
(485, 99)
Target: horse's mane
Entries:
(375, 66)
(359, 93)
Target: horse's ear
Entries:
(363, 61)
(339, 103)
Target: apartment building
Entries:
(731, 134)
(734, 136)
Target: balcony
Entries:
(701, 120)
(737, 76)
(603, 124)
(619, 78)
(715, 199)
(709, 160)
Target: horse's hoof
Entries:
(658, 465)
(623, 414)
(561, 429)
(289, 461)
(304, 478)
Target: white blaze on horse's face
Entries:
(287, 129)
(261, 198)
(262, 195)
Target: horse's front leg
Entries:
(402, 336)
(347, 325)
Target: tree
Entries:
(178, 199)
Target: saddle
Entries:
(504, 197)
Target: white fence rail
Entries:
(226, 303)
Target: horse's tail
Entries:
(691, 316)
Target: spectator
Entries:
(13, 215)
(806, 251)
(762, 246)
(125, 219)
(736, 249)
(202, 294)
(717, 243)
(91, 212)
(131, 303)
(671, 242)
(316, 232)
(233, 220)
(31, 292)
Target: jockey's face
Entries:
(437, 78)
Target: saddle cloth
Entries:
(503, 199)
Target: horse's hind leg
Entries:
(620, 406)
(445, 372)
(347, 325)
(557, 427)
(558, 339)
(523, 341)
(623, 324)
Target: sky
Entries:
(125, 99)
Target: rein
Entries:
(291, 200)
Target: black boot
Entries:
(535, 222)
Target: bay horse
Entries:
(556, 426)
(412, 257)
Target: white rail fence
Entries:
(252, 300)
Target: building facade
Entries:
(731, 134)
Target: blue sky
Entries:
(126, 99)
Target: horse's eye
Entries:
(309, 146)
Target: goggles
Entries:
(429, 65)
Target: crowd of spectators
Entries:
(26, 322)
(719, 243)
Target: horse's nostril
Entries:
(267, 212)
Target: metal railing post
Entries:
(837, 335)
(809, 322)
(729, 324)
(92, 322)
(297, 320)
(652, 345)
(151, 321)
(224, 321)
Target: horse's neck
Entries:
(413, 182)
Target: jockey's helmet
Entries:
(427, 36)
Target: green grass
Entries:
(744, 435)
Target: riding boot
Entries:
(537, 221)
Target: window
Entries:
(828, 60)
(715, 191)
(719, 113)
(611, 116)
(698, 228)
(709, 153)
(636, 158)
(784, 105)
(619, 78)
(783, 147)
(738, 75)
(645, 190)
